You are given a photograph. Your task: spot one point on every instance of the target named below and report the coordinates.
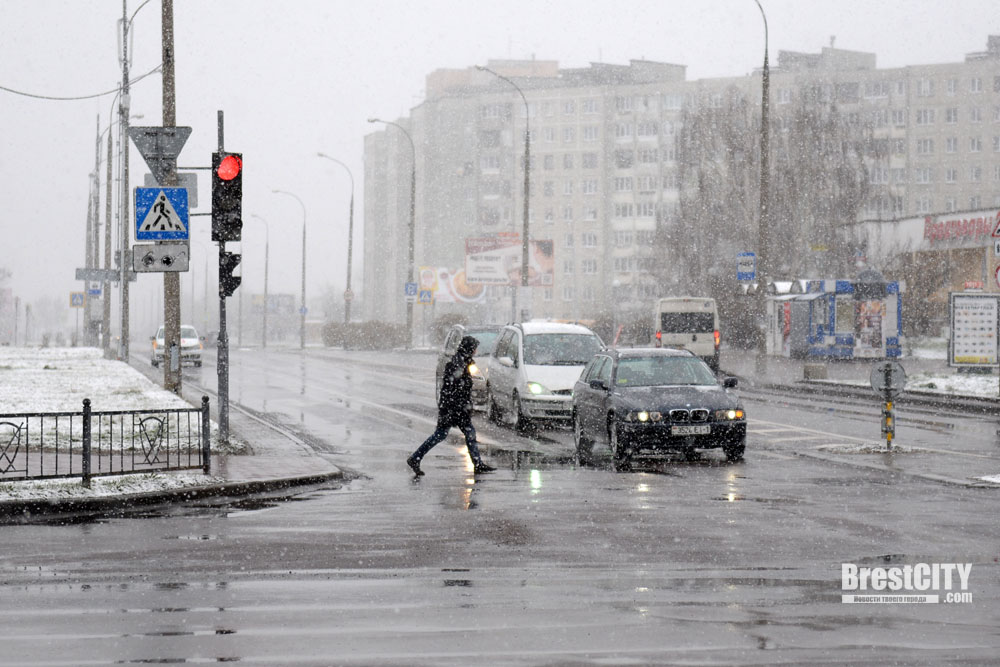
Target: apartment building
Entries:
(604, 178)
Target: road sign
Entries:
(93, 291)
(159, 147)
(746, 267)
(188, 181)
(348, 295)
(425, 296)
(160, 257)
(303, 310)
(888, 377)
(77, 299)
(410, 292)
(99, 275)
(161, 213)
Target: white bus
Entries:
(690, 323)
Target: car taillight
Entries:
(718, 338)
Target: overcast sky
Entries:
(302, 76)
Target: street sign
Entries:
(426, 296)
(76, 299)
(159, 147)
(188, 181)
(160, 257)
(303, 310)
(93, 291)
(410, 292)
(746, 267)
(888, 378)
(161, 213)
(348, 295)
(98, 275)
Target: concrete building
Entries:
(604, 178)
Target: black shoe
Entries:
(414, 466)
(483, 467)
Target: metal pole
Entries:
(86, 442)
(171, 279)
(763, 225)
(123, 113)
(348, 294)
(413, 204)
(222, 367)
(525, 306)
(106, 287)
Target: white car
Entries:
(191, 346)
(533, 369)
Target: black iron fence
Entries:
(90, 443)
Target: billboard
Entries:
(974, 320)
(497, 261)
(450, 285)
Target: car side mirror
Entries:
(598, 384)
(729, 383)
(505, 361)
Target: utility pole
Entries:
(126, 233)
(171, 279)
(106, 287)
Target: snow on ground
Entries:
(57, 380)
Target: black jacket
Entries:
(455, 400)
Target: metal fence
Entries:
(89, 443)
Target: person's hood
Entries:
(467, 347)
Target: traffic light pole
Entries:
(222, 365)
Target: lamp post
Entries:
(302, 308)
(413, 193)
(763, 224)
(348, 294)
(527, 198)
(267, 251)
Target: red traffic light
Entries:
(229, 168)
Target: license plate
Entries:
(701, 429)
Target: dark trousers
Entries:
(468, 430)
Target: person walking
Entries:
(454, 408)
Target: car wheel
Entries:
(584, 445)
(619, 450)
(521, 423)
(734, 450)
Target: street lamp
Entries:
(267, 246)
(527, 196)
(302, 309)
(348, 294)
(413, 194)
(763, 225)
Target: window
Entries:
(569, 108)
(567, 160)
(547, 294)
(623, 238)
(489, 138)
(567, 266)
(996, 173)
(648, 155)
(784, 96)
(951, 86)
(950, 205)
(668, 153)
(975, 201)
(715, 101)
(567, 293)
(670, 180)
(923, 175)
(976, 174)
(548, 162)
(588, 293)
(951, 145)
(880, 118)
(489, 215)
(923, 204)
(899, 117)
(623, 184)
(925, 87)
(588, 240)
(488, 111)
(673, 101)
(623, 104)
(569, 241)
(648, 129)
(549, 215)
(996, 114)
(975, 144)
(900, 87)
(950, 175)
(590, 213)
(996, 144)
(624, 210)
(547, 109)
(925, 146)
(848, 91)
(624, 159)
(591, 132)
(878, 176)
(589, 160)
(569, 134)
(647, 184)
(976, 85)
(951, 115)
(567, 187)
(898, 175)
(567, 213)
(489, 162)
(549, 188)
(590, 106)
(588, 266)
(925, 116)
(976, 115)
(589, 186)
(548, 134)
(623, 131)
(646, 209)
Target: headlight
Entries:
(643, 416)
(474, 371)
(535, 388)
(731, 414)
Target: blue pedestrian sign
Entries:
(76, 299)
(746, 267)
(161, 214)
(426, 296)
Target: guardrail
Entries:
(88, 443)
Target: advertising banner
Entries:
(973, 339)
(497, 261)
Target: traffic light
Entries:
(228, 283)
(227, 196)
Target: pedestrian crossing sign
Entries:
(161, 214)
(425, 296)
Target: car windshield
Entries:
(188, 332)
(560, 349)
(662, 370)
(487, 340)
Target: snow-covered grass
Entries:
(100, 487)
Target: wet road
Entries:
(539, 563)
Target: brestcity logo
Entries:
(919, 583)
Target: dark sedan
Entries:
(649, 399)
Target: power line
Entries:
(82, 97)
